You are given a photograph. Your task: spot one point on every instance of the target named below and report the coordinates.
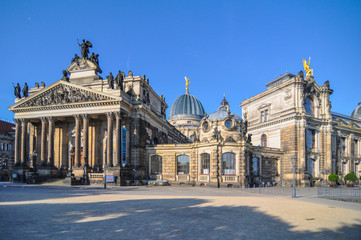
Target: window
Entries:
(311, 139)
(205, 163)
(228, 123)
(343, 145)
(264, 116)
(356, 147)
(264, 140)
(156, 165)
(205, 126)
(228, 163)
(183, 164)
(255, 166)
(311, 166)
(309, 106)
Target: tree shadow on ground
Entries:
(151, 219)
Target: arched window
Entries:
(255, 166)
(155, 141)
(264, 140)
(183, 164)
(309, 106)
(205, 163)
(156, 165)
(228, 163)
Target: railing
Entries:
(352, 194)
(204, 178)
(230, 178)
(96, 176)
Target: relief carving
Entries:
(63, 94)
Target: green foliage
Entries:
(333, 177)
(350, 177)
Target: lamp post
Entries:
(105, 176)
(293, 159)
(324, 177)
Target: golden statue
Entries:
(306, 66)
(187, 84)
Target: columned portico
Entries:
(117, 143)
(17, 142)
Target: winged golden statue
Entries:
(187, 84)
(306, 66)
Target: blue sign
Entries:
(109, 178)
(123, 155)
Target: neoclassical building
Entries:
(294, 115)
(84, 124)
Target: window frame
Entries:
(181, 167)
(228, 163)
(205, 161)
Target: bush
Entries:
(351, 177)
(333, 177)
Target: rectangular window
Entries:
(356, 147)
(266, 115)
(262, 116)
(311, 139)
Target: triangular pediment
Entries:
(61, 93)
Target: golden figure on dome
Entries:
(187, 84)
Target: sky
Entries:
(230, 48)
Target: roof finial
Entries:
(187, 84)
(306, 66)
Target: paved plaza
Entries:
(57, 212)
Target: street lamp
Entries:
(105, 176)
(293, 159)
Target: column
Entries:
(23, 141)
(77, 141)
(43, 141)
(17, 142)
(109, 160)
(50, 141)
(85, 139)
(260, 166)
(117, 143)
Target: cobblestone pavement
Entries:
(55, 212)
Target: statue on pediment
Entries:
(26, 90)
(75, 58)
(17, 91)
(110, 79)
(119, 79)
(65, 76)
(85, 45)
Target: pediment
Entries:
(82, 65)
(61, 93)
(264, 106)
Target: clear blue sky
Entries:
(231, 47)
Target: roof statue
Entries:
(306, 66)
(85, 45)
(187, 84)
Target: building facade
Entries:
(83, 124)
(6, 149)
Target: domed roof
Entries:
(222, 113)
(186, 106)
(357, 112)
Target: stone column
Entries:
(43, 141)
(77, 141)
(109, 160)
(85, 139)
(117, 143)
(23, 141)
(17, 158)
(50, 141)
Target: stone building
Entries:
(220, 154)
(83, 124)
(6, 149)
(294, 115)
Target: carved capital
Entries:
(85, 116)
(24, 120)
(77, 116)
(17, 120)
(50, 119)
(43, 119)
(109, 114)
(117, 115)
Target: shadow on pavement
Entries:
(151, 219)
